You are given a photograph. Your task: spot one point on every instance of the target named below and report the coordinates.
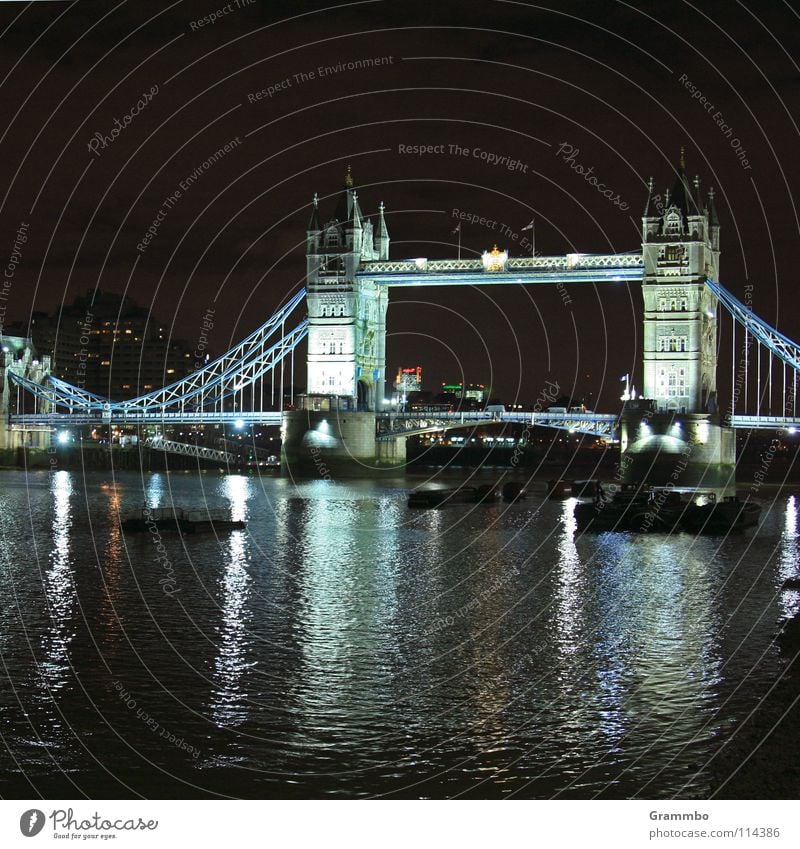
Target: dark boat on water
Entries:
(627, 510)
(430, 498)
(514, 491)
(179, 520)
(720, 517)
(487, 492)
(653, 510)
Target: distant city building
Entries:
(109, 345)
(478, 392)
(409, 379)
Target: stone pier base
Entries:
(337, 443)
(677, 450)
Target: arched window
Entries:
(672, 224)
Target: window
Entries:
(673, 344)
(673, 223)
(674, 253)
(684, 305)
(671, 383)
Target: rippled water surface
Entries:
(344, 645)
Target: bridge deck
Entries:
(572, 268)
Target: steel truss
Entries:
(781, 346)
(237, 369)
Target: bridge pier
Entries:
(676, 449)
(336, 442)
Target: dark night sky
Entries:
(513, 78)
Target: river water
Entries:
(346, 646)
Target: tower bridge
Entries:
(341, 315)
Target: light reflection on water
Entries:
(59, 589)
(345, 645)
(229, 698)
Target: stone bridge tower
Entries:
(334, 431)
(673, 435)
(347, 316)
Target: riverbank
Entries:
(101, 458)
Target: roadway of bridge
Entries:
(579, 422)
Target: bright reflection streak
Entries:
(787, 564)
(229, 703)
(59, 587)
(110, 565)
(238, 490)
(570, 580)
(348, 586)
(154, 492)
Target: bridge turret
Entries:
(382, 237)
(347, 315)
(672, 436)
(680, 249)
(313, 231)
(346, 345)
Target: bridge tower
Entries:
(346, 345)
(347, 316)
(672, 434)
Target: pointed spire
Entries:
(649, 197)
(698, 197)
(382, 235)
(681, 195)
(348, 178)
(713, 219)
(313, 224)
(355, 215)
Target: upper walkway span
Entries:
(496, 268)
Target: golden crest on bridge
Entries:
(495, 260)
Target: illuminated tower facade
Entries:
(347, 315)
(680, 248)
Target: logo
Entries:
(31, 822)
